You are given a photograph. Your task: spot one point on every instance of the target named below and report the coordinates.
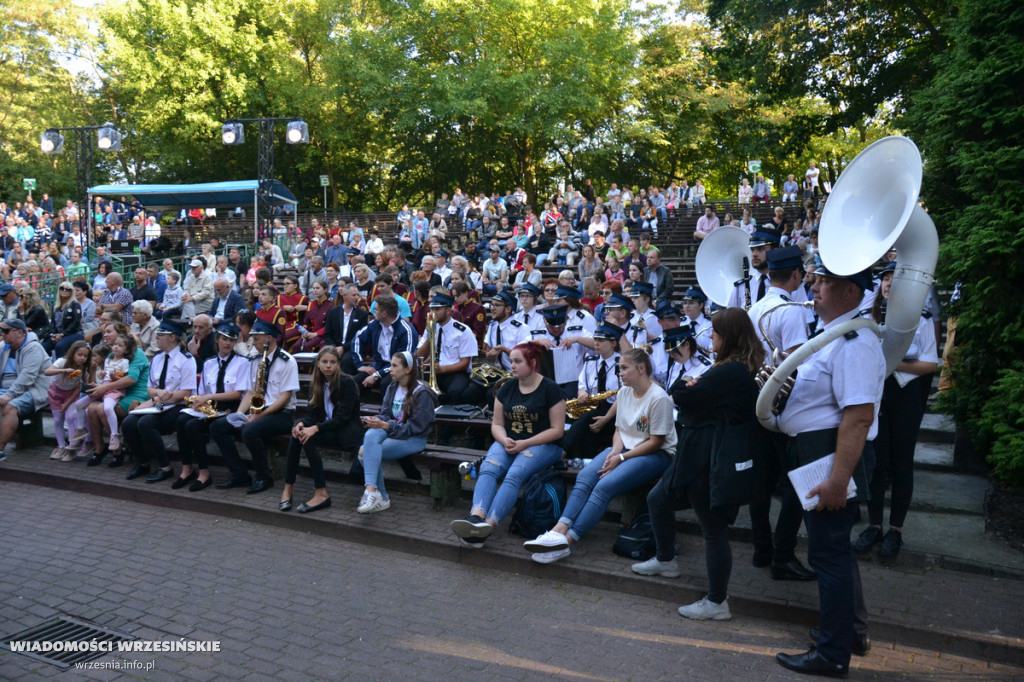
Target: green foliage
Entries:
(970, 125)
(1001, 425)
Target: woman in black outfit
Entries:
(333, 419)
(65, 321)
(32, 313)
(725, 395)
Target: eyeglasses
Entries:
(65, 288)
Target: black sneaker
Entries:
(472, 543)
(471, 527)
(891, 544)
(869, 537)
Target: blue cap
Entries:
(638, 288)
(568, 292)
(442, 253)
(762, 237)
(5, 289)
(555, 314)
(228, 330)
(170, 327)
(786, 258)
(261, 326)
(442, 301)
(889, 268)
(675, 336)
(506, 298)
(529, 288)
(609, 331)
(862, 279)
(666, 309)
(695, 294)
(619, 301)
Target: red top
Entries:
(274, 316)
(316, 316)
(292, 318)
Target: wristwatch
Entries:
(621, 458)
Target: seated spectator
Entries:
(747, 222)
(32, 313)
(143, 290)
(103, 270)
(144, 327)
(28, 393)
(83, 296)
(198, 290)
(529, 273)
(612, 269)
(790, 189)
(65, 322)
(226, 303)
(762, 190)
(170, 306)
(706, 224)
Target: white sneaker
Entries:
(69, 455)
(666, 569)
(57, 453)
(87, 450)
(373, 502)
(115, 443)
(550, 557)
(77, 437)
(547, 542)
(705, 609)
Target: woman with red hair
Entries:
(529, 420)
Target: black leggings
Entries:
(316, 463)
(899, 421)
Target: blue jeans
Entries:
(591, 494)
(662, 213)
(542, 258)
(377, 446)
(516, 469)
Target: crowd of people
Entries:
(217, 356)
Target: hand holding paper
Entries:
(812, 479)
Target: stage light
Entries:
(298, 132)
(51, 142)
(232, 133)
(108, 139)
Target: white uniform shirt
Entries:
(282, 376)
(588, 375)
(181, 372)
(513, 332)
(580, 319)
(457, 341)
(568, 361)
(922, 348)
(533, 321)
(651, 325)
(701, 328)
(694, 367)
(845, 372)
(236, 377)
(786, 326)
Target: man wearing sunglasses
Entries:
(28, 392)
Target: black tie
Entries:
(602, 377)
(163, 372)
(558, 340)
(222, 370)
(761, 287)
(437, 341)
(693, 327)
(816, 332)
(497, 334)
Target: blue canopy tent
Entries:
(202, 195)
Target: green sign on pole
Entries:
(754, 166)
(324, 182)
(28, 184)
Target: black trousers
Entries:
(790, 514)
(316, 463)
(193, 435)
(457, 389)
(899, 421)
(255, 437)
(144, 434)
(581, 442)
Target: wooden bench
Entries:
(30, 431)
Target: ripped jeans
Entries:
(516, 469)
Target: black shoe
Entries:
(792, 570)
(861, 647)
(235, 482)
(160, 475)
(409, 469)
(471, 527)
(285, 505)
(180, 482)
(198, 485)
(260, 485)
(812, 663)
(762, 557)
(305, 508)
(95, 459)
(139, 470)
(891, 544)
(117, 461)
(868, 538)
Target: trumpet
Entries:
(208, 408)
(578, 407)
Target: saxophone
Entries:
(208, 408)
(576, 407)
(258, 402)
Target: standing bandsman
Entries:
(504, 332)
(223, 380)
(528, 314)
(761, 243)
(696, 318)
(454, 347)
(592, 432)
(560, 363)
(833, 408)
(280, 381)
(172, 377)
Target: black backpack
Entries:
(541, 505)
(636, 541)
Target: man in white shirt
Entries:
(454, 348)
(504, 331)
(494, 270)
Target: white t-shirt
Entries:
(62, 381)
(812, 175)
(639, 418)
(397, 401)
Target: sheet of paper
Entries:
(195, 413)
(810, 476)
(148, 410)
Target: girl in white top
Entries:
(63, 392)
(642, 448)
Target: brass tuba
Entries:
(431, 338)
(776, 357)
(489, 375)
(258, 402)
(577, 407)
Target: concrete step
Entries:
(937, 428)
(934, 456)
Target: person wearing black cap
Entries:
(280, 382)
(668, 318)
(504, 332)
(833, 408)
(696, 318)
(441, 261)
(579, 318)
(785, 329)
(593, 431)
(222, 381)
(528, 294)
(8, 302)
(760, 244)
(560, 363)
(172, 377)
(685, 358)
(454, 347)
(643, 319)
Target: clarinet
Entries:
(746, 284)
